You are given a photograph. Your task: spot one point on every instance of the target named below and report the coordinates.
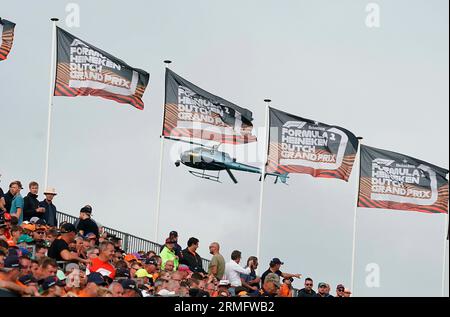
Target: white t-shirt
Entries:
(233, 273)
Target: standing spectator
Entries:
(286, 287)
(274, 267)
(31, 203)
(251, 281)
(59, 250)
(17, 203)
(233, 270)
(85, 224)
(190, 257)
(8, 197)
(168, 254)
(173, 235)
(308, 290)
(2, 200)
(340, 290)
(217, 264)
(102, 263)
(50, 208)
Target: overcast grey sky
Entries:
(313, 58)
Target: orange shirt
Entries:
(104, 268)
(285, 291)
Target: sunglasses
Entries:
(308, 284)
(40, 232)
(340, 289)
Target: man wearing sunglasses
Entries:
(340, 290)
(308, 290)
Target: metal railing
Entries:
(130, 243)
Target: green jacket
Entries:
(168, 255)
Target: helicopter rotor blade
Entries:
(189, 142)
(231, 176)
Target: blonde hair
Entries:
(104, 292)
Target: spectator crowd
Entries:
(41, 258)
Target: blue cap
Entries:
(27, 279)
(50, 282)
(96, 278)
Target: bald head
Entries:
(214, 248)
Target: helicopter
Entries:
(210, 159)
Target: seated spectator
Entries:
(59, 250)
(94, 281)
(170, 266)
(116, 289)
(92, 253)
(9, 275)
(102, 264)
(16, 232)
(39, 235)
(47, 267)
(271, 286)
(130, 289)
(51, 236)
(286, 289)
(52, 287)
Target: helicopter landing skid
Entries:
(203, 175)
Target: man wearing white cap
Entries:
(50, 208)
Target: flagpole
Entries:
(444, 262)
(50, 98)
(263, 173)
(161, 161)
(358, 168)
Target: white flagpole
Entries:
(263, 173)
(50, 99)
(358, 169)
(161, 161)
(444, 262)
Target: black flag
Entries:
(6, 38)
(84, 70)
(192, 112)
